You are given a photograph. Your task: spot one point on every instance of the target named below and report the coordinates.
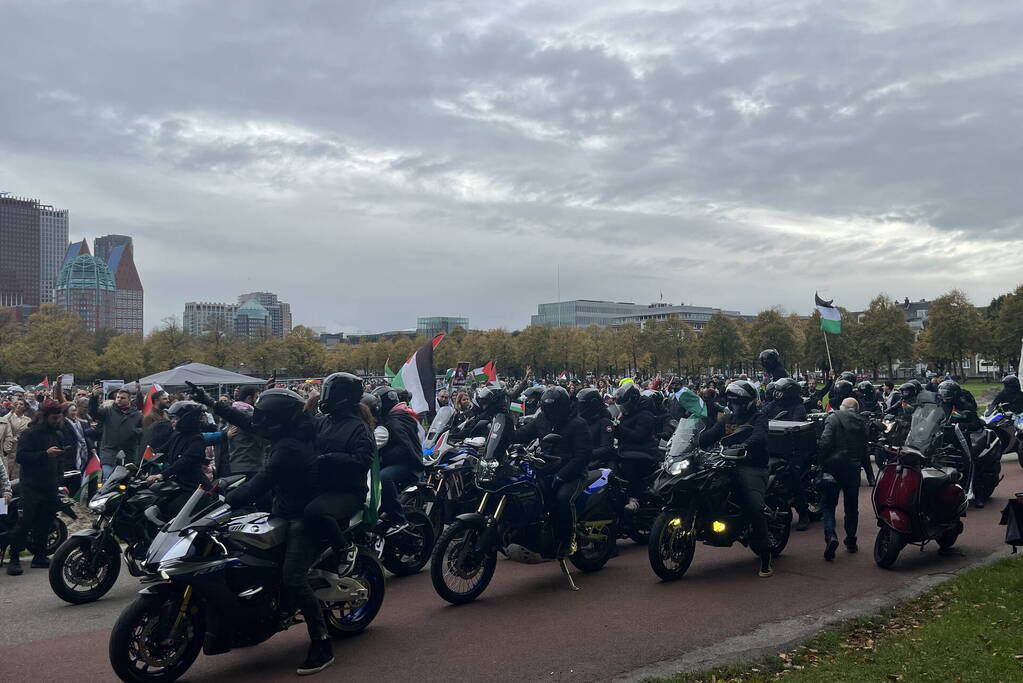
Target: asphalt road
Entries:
(527, 626)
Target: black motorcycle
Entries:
(220, 573)
(58, 531)
(702, 504)
(449, 487)
(513, 518)
(86, 566)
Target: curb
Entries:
(770, 639)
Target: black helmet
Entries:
(948, 391)
(787, 388)
(388, 398)
(848, 376)
(342, 391)
(866, 391)
(591, 404)
(843, 389)
(187, 416)
(556, 405)
(275, 412)
(741, 397)
(1011, 382)
(769, 358)
(627, 397)
(918, 384)
(654, 399)
(769, 391)
(489, 400)
(531, 399)
(909, 391)
(404, 395)
(371, 402)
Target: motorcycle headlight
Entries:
(486, 469)
(99, 503)
(677, 467)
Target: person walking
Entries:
(841, 448)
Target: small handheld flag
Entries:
(831, 317)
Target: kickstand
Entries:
(568, 575)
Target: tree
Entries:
(885, 336)
(265, 353)
(721, 342)
(1003, 321)
(772, 331)
(168, 347)
(217, 345)
(303, 355)
(954, 330)
(123, 358)
(54, 342)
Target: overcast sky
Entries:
(372, 162)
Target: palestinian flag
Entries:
(417, 377)
(517, 408)
(563, 375)
(149, 454)
(393, 379)
(831, 317)
(92, 471)
(691, 401)
(45, 384)
(487, 374)
(149, 398)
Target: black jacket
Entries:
(602, 438)
(157, 436)
(794, 409)
(635, 432)
(121, 430)
(346, 448)
(184, 460)
(756, 442)
(1014, 399)
(574, 449)
(403, 445)
(845, 436)
(813, 401)
(41, 474)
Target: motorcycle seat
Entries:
(934, 480)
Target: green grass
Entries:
(969, 629)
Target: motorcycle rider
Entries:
(841, 448)
(401, 455)
(594, 413)
(1009, 395)
(866, 395)
(751, 473)
(291, 473)
(186, 453)
(486, 402)
(574, 450)
(531, 399)
(842, 390)
(41, 449)
(770, 360)
(637, 446)
(787, 404)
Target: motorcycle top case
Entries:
(786, 436)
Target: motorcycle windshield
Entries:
(439, 425)
(498, 438)
(926, 420)
(686, 437)
(119, 475)
(198, 505)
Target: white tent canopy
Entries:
(198, 373)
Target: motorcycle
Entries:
(702, 504)
(512, 518)
(986, 466)
(1009, 428)
(58, 531)
(436, 444)
(792, 449)
(219, 573)
(449, 487)
(918, 497)
(86, 566)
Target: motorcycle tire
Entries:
(780, 529)
(887, 546)
(592, 555)
(454, 538)
(407, 553)
(70, 563)
(984, 486)
(671, 548)
(366, 571)
(126, 641)
(58, 534)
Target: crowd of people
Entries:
(306, 450)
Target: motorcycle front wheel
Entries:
(672, 546)
(344, 618)
(779, 526)
(77, 577)
(141, 652)
(459, 571)
(406, 553)
(887, 546)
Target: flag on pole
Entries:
(563, 375)
(393, 378)
(691, 401)
(831, 317)
(417, 376)
(91, 472)
(149, 454)
(46, 382)
(149, 398)
(487, 374)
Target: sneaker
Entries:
(804, 522)
(829, 551)
(765, 566)
(321, 655)
(397, 529)
(40, 562)
(14, 568)
(632, 505)
(850, 547)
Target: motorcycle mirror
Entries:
(551, 439)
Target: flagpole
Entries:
(828, 349)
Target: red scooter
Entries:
(918, 498)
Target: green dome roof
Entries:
(252, 309)
(85, 272)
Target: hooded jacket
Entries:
(403, 446)
(845, 436)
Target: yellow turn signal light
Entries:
(718, 527)
(676, 522)
(123, 487)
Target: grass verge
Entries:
(969, 629)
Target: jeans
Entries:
(752, 485)
(36, 517)
(107, 470)
(391, 477)
(299, 555)
(327, 515)
(847, 474)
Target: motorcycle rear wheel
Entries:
(132, 644)
(592, 555)
(780, 529)
(69, 570)
(459, 573)
(672, 547)
(887, 546)
(407, 555)
(343, 619)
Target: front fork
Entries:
(491, 523)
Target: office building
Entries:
(206, 316)
(255, 314)
(435, 325)
(128, 299)
(86, 286)
(696, 317)
(251, 319)
(53, 243)
(280, 312)
(20, 260)
(105, 245)
(586, 312)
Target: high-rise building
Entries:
(206, 316)
(86, 286)
(434, 325)
(251, 319)
(128, 301)
(53, 236)
(19, 251)
(280, 312)
(105, 245)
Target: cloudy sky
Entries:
(375, 161)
